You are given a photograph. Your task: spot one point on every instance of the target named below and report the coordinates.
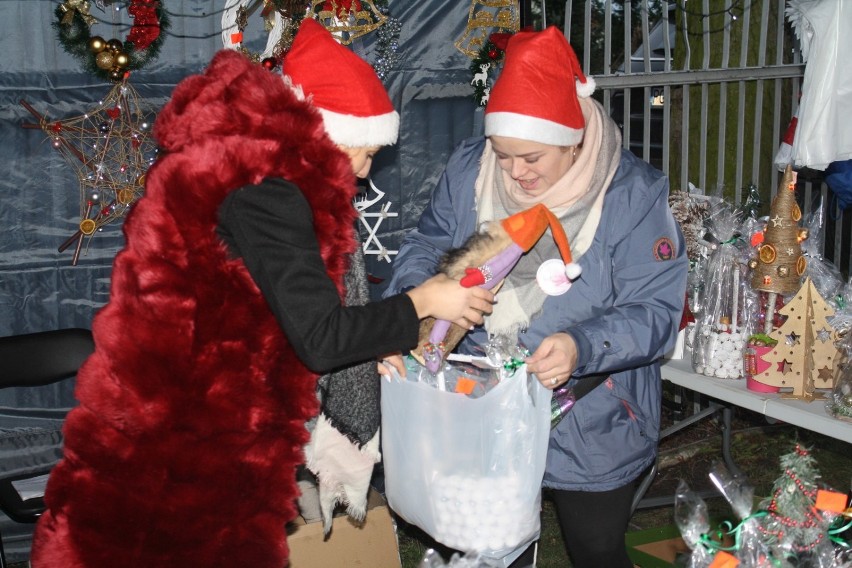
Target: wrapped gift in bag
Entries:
(465, 470)
(717, 349)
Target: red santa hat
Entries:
(354, 104)
(535, 96)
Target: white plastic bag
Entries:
(822, 133)
(468, 471)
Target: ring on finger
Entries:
(553, 381)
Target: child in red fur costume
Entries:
(228, 299)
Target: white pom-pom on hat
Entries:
(573, 270)
(586, 89)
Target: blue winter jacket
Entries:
(623, 312)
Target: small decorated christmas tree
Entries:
(797, 526)
(792, 521)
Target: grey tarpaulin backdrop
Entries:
(39, 193)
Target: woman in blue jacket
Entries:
(547, 142)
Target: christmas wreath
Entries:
(282, 19)
(112, 59)
(487, 59)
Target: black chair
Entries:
(31, 360)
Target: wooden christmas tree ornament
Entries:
(805, 357)
(780, 264)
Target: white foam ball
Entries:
(495, 542)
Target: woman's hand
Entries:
(443, 298)
(554, 360)
(394, 361)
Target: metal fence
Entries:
(705, 92)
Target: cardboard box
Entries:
(655, 548)
(662, 547)
(371, 545)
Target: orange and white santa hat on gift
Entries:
(535, 96)
(554, 276)
(352, 100)
(523, 230)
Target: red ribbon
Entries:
(146, 24)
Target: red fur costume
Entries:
(183, 449)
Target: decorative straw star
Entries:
(110, 149)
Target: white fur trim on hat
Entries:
(525, 127)
(361, 131)
(344, 88)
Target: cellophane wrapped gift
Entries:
(693, 521)
(470, 560)
(752, 550)
(717, 346)
(690, 209)
(839, 404)
(823, 273)
(468, 469)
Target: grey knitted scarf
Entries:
(349, 397)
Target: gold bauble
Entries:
(104, 60)
(115, 45)
(97, 44)
(121, 60)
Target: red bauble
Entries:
(269, 63)
(492, 53)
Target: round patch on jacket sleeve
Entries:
(664, 249)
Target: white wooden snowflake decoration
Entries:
(373, 220)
